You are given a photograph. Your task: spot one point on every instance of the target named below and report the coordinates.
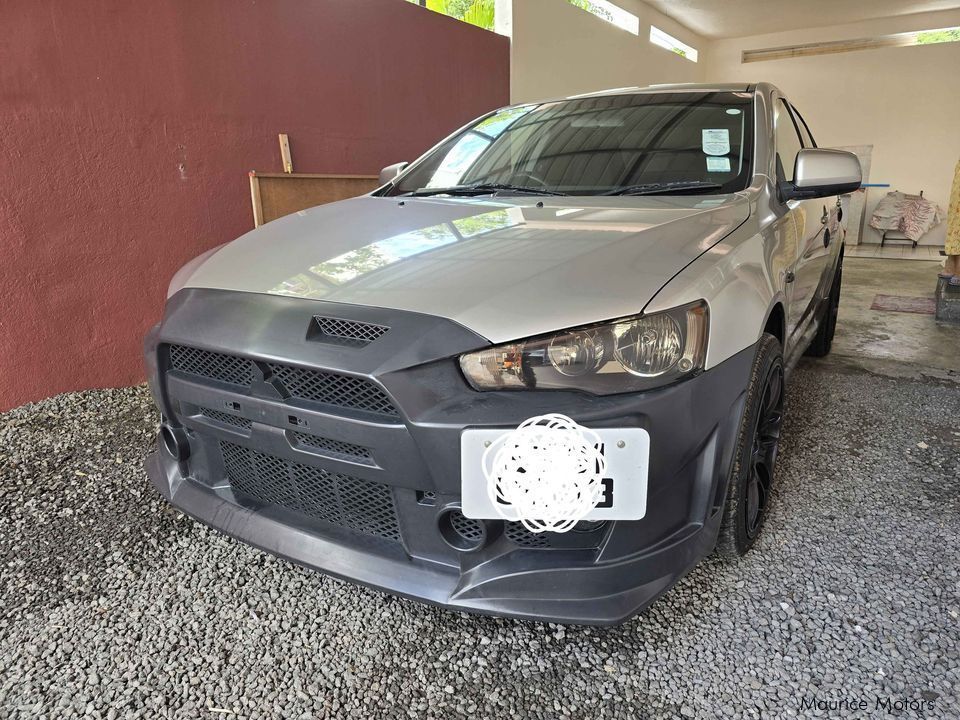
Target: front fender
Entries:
(742, 280)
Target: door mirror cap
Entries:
(391, 171)
(820, 172)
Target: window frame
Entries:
(776, 152)
(806, 127)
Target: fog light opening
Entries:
(460, 532)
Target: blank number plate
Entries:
(625, 482)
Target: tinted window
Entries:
(788, 142)
(595, 145)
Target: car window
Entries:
(788, 141)
(805, 134)
(597, 145)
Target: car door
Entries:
(831, 213)
(830, 230)
(809, 261)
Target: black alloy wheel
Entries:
(763, 457)
(750, 485)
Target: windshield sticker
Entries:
(716, 142)
(718, 164)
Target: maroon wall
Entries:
(127, 130)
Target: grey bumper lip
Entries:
(434, 583)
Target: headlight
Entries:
(626, 355)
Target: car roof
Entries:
(672, 87)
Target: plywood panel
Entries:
(277, 194)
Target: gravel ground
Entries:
(114, 605)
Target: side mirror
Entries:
(391, 171)
(820, 172)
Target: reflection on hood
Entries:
(320, 278)
(505, 267)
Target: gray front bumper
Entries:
(601, 579)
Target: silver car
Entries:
(649, 262)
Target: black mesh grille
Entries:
(334, 448)
(333, 389)
(226, 418)
(519, 535)
(338, 499)
(226, 368)
(329, 388)
(350, 332)
(467, 528)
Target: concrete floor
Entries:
(896, 251)
(893, 343)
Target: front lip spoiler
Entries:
(429, 582)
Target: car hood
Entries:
(506, 268)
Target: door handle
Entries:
(826, 237)
(789, 277)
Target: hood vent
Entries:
(347, 332)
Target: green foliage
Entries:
(591, 8)
(475, 12)
(938, 36)
(453, 8)
(480, 13)
(440, 6)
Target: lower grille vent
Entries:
(226, 418)
(334, 448)
(349, 502)
(519, 535)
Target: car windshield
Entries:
(634, 144)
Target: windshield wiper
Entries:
(665, 188)
(481, 189)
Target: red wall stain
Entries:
(127, 130)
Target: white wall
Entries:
(561, 50)
(903, 101)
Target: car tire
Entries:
(751, 479)
(823, 340)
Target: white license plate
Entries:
(625, 482)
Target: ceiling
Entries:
(736, 18)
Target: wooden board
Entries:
(274, 195)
